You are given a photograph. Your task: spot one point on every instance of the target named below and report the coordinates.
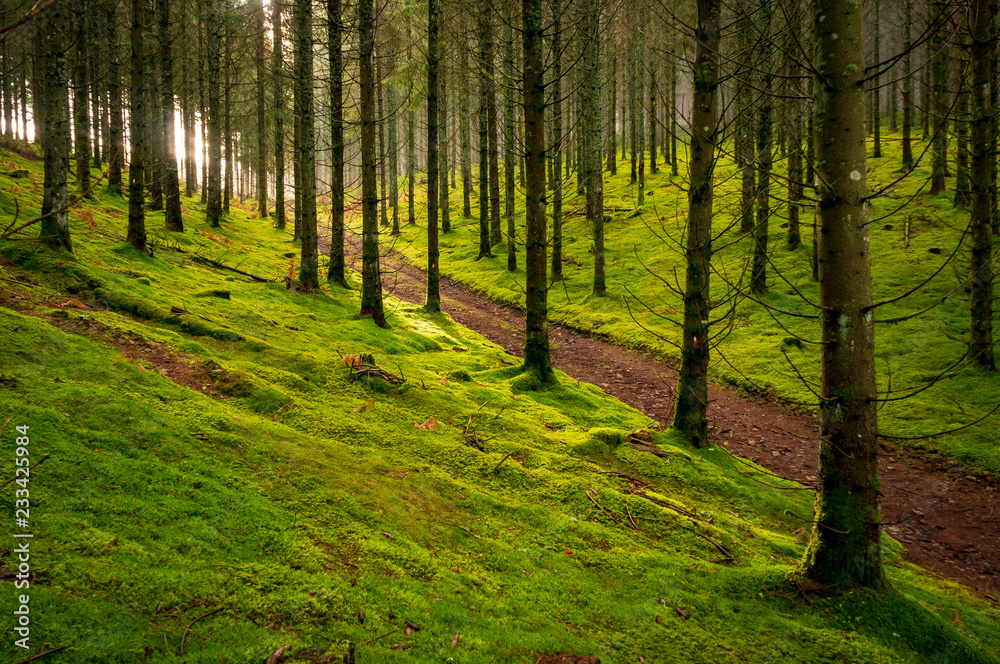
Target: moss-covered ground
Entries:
(207, 479)
(920, 339)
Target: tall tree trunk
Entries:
(591, 129)
(227, 188)
(213, 210)
(259, 61)
(384, 198)
(876, 91)
(53, 25)
(845, 548)
(633, 139)
(464, 137)
(794, 18)
(939, 81)
(508, 139)
(673, 115)
(640, 67)
(433, 303)
(411, 156)
(443, 206)
(691, 410)
(393, 159)
(484, 161)
(557, 130)
(305, 149)
(171, 185)
(277, 73)
(115, 138)
(371, 277)
(96, 77)
(536, 330)
(745, 117)
(963, 185)
(907, 85)
(612, 164)
(652, 111)
(335, 44)
(981, 282)
(81, 103)
(758, 275)
(136, 235)
(493, 132)
(187, 105)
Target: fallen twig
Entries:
(41, 654)
(188, 628)
(376, 638)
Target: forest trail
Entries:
(946, 516)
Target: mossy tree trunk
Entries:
(691, 411)
(334, 32)
(758, 274)
(557, 130)
(305, 150)
(81, 105)
(907, 158)
(536, 330)
(939, 110)
(510, 150)
(116, 150)
(845, 547)
(55, 130)
(484, 163)
(590, 97)
(171, 183)
(433, 302)
(277, 78)
(981, 283)
(371, 276)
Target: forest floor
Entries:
(946, 514)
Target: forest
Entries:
(554, 331)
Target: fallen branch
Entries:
(505, 457)
(376, 638)
(222, 266)
(41, 654)
(188, 628)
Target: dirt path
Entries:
(947, 517)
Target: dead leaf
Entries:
(680, 612)
(443, 381)
(955, 620)
(430, 424)
(454, 641)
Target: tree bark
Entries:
(171, 185)
(557, 131)
(508, 139)
(876, 91)
(371, 277)
(484, 162)
(136, 235)
(115, 138)
(907, 160)
(691, 410)
(433, 301)
(277, 74)
(464, 133)
(53, 25)
(336, 272)
(981, 282)
(939, 80)
(845, 548)
(213, 209)
(758, 275)
(536, 331)
(81, 103)
(591, 130)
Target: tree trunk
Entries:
(845, 548)
(492, 131)
(484, 163)
(213, 210)
(393, 159)
(557, 130)
(277, 63)
(640, 66)
(53, 25)
(81, 103)
(464, 137)
(171, 185)
(876, 91)
(981, 282)
(536, 331)
(745, 116)
(115, 130)
(411, 156)
(433, 302)
(907, 161)
(652, 112)
(508, 139)
(795, 137)
(590, 97)
(136, 235)
(443, 206)
(691, 410)
(335, 44)
(963, 186)
(305, 149)
(673, 116)
(261, 163)
(940, 109)
(758, 275)
(227, 188)
(371, 277)
(380, 92)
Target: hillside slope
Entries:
(210, 485)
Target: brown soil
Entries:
(947, 516)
